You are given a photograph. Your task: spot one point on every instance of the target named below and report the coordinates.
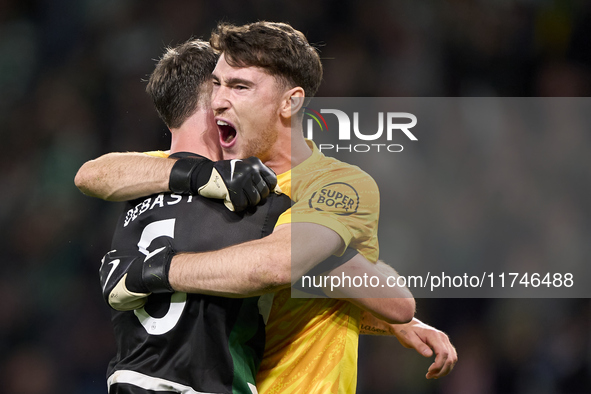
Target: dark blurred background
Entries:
(72, 88)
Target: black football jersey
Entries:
(186, 343)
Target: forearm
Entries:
(124, 176)
(249, 269)
(399, 307)
(393, 305)
(371, 325)
(388, 310)
(256, 267)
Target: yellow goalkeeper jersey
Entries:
(311, 344)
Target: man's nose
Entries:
(219, 99)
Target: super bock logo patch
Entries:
(338, 197)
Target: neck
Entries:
(197, 134)
(300, 150)
(290, 151)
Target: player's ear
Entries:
(292, 102)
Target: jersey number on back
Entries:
(160, 325)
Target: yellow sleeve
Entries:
(345, 199)
(158, 153)
(324, 220)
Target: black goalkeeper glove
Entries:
(128, 279)
(150, 274)
(240, 183)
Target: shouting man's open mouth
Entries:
(227, 133)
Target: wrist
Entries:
(150, 275)
(189, 174)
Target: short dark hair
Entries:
(176, 83)
(277, 47)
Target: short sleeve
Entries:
(344, 199)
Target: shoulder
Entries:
(336, 187)
(335, 174)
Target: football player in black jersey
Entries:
(173, 341)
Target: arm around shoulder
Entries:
(245, 270)
(124, 176)
(255, 267)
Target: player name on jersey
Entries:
(150, 203)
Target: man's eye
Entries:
(216, 83)
(241, 87)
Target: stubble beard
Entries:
(261, 146)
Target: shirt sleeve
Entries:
(344, 200)
(158, 153)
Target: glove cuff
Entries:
(155, 272)
(151, 275)
(189, 174)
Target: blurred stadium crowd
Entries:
(71, 89)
